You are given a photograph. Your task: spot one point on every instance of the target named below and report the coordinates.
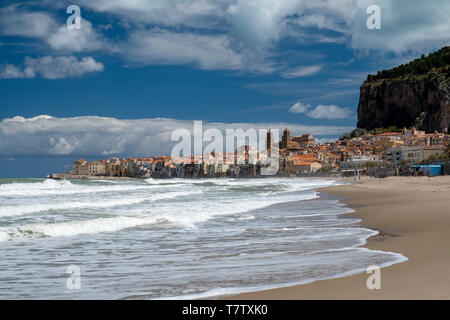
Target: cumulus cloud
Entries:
(17, 21)
(329, 112)
(10, 71)
(50, 67)
(299, 108)
(74, 40)
(103, 137)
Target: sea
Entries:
(174, 239)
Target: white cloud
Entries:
(321, 21)
(10, 71)
(406, 25)
(325, 140)
(239, 34)
(299, 108)
(256, 23)
(49, 67)
(22, 119)
(61, 146)
(17, 22)
(248, 31)
(301, 71)
(74, 40)
(330, 112)
(103, 137)
(164, 47)
(163, 12)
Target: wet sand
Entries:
(412, 215)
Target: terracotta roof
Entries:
(299, 163)
(300, 157)
(389, 134)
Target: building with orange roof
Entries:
(304, 158)
(294, 166)
(80, 167)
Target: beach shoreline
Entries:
(412, 217)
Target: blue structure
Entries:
(428, 170)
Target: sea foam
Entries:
(17, 210)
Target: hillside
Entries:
(414, 94)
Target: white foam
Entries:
(185, 214)
(63, 187)
(8, 211)
(46, 184)
(190, 214)
(3, 236)
(247, 217)
(295, 184)
(69, 229)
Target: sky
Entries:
(137, 70)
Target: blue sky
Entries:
(296, 63)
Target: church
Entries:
(297, 142)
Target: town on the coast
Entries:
(405, 152)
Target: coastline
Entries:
(412, 217)
(67, 176)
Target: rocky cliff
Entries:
(416, 94)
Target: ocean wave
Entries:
(191, 214)
(63, 187)
(73, 228)
(66, 187)
(8, 211)
(297, 184)
(185, 214)
(323, 232)
(246, 217)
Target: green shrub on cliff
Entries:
(435, 62)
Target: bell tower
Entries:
(286, 139)
(269, 141)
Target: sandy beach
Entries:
(412, 215)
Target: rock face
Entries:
(414, 94)
(423, 103)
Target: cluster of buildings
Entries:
(297, 155)
(394, 149)
(246, 163)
